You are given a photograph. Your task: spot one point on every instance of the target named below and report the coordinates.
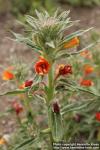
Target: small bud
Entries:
(18, 108)
(28, 83)
(56, 107)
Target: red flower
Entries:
(86, 82)
(18, 108)
(42, 66)
(88, 69)
(56, 107)
(97, 116)
(7, 75)
(64, 69)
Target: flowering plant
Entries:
(53, 86)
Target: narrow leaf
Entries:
(25, 40)
(15, 92)
(74, 34)
(56, 125)
(26, 142)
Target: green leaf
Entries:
(51, 44)
(46, 131)
(63, 54)
(56, 125)
(25, 40)
(32, 22)
(74, 34)
(15, 92)
(26, 142)
(76, 87)
(75, 107)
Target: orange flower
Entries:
(64, 69)
(73, 42)
(2, 141)
(18, 108)
(7, 75)
(88, 69)
(86, 54)
(97, 116)
(86, 82)
(22, 86)
(42, 66)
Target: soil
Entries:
(8, 49)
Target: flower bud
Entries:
(18, 108)
(56, 107)
(28, 83)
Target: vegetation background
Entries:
(87, 11)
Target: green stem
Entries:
(18, 120)
(50, 133)
(30, 115)
(50, 94)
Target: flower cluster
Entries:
(87, 70)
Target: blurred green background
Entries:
(17, 7)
